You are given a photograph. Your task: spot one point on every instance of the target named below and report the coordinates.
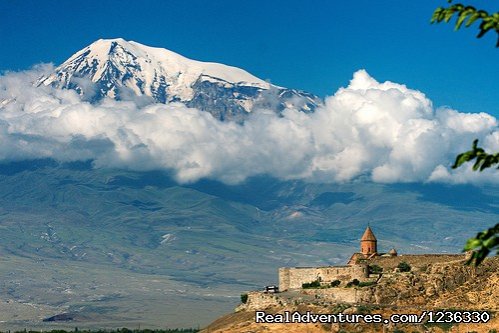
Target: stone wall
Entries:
(258, 300)
(416, 261)
(294, 277)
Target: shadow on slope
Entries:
(462, 197)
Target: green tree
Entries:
(404, 267)
(486, 241)
(335, 283)
(311, 285)
(375, 269)
(355, 282)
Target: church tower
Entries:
(368, 243)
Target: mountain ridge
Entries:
(121, 69)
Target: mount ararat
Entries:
(121, 69)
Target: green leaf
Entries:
(436, 14)
(462, 158)
(491, 242)
(483, 31)
(472, 243)
(483, 160)
(461, 19)
(448, 15)
(473, 17)
(485, 241)
(489, 24)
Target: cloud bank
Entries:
(385, 131)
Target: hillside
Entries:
(437, 286)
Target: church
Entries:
(357, 267)
(368, 248)
(364, 266)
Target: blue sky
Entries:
(311, 45)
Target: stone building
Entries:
(368, 247)
(356, 268)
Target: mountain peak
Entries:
(117, 68)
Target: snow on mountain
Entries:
(119, 69)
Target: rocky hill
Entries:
(445, 286)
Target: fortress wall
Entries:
(294, 277)
(284, 273)
(260, 301)
(415, 260)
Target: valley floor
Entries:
(100, 297)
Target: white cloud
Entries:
(384, 130)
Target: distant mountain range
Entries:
(95, 242)
(121, 69)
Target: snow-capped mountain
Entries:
(120, 69)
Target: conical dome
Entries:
(368, 235)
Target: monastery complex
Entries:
(364, 266)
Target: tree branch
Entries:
(469, 14)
